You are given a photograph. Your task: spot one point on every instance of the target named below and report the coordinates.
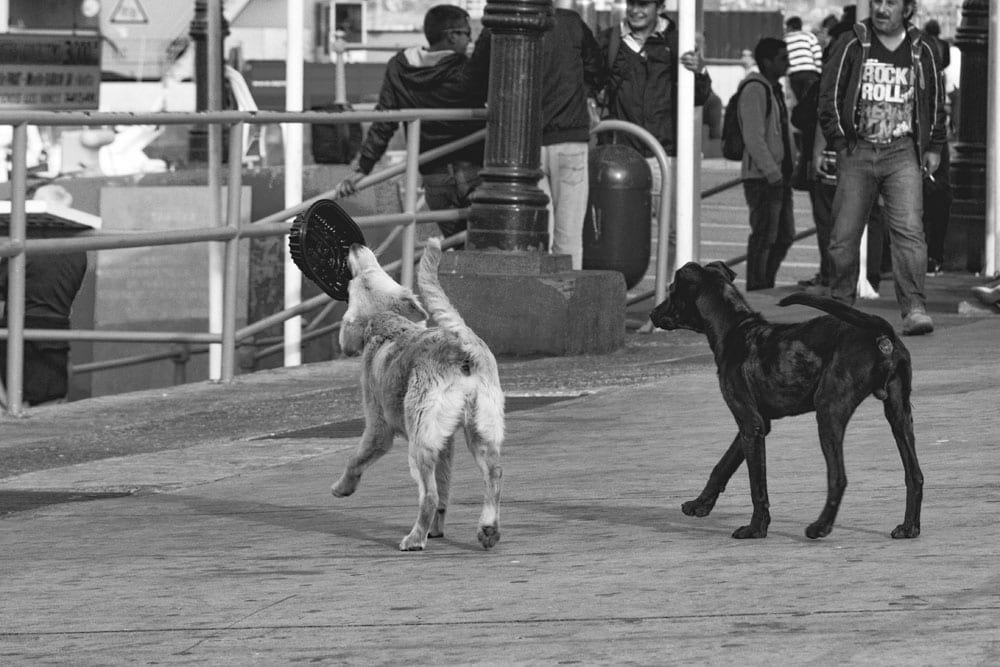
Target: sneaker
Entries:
(988, 296)
(933, 268)
(917, 323)
(812, 282)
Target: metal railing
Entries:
(228, 232)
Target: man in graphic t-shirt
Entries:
(881, 108)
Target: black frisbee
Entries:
(320, 241)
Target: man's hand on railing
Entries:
(348, 186)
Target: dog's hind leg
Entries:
(831, 420)
(486, 451)
(723, 471)
(443, 478)
(423, 465)
(375, 442)
(900, 418)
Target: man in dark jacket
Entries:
(424, 78)
(641, 53)
(881, 108)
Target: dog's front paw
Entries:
(750, 533)
(698, 507)
(345, 486)
(413, 542)
(817, 530)
(488, 535)
(905, 531)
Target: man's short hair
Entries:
(439, 19)
(767, 48)
(793, 23)
(933, 28)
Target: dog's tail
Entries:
(841, 311)
(886, 340)
(435, 299)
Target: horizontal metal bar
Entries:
(98, 118)
(122, 362)
(102, 240)
(118, 336)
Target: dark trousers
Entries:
(938, 197)
(800, 82)
(821, 198)
(772, 230)
(450, 187)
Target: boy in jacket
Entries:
(767, 164)
(425, 78)
(641, 54)
(881, 108)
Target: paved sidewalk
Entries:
(228, 548)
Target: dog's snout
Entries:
(661, 316)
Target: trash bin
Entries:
(616, 231)
(335, 143)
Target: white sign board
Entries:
(49, 71)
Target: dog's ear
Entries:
(410, 308)
(722, 268)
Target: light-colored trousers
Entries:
(566, 180)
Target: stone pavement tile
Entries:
(596, 564)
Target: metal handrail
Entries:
(17, 246)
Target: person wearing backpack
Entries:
(767, 163)
(881, 108)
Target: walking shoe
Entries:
(989, 296)
(917, 323)
(812, 282)
(933, 267)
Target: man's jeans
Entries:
(772, 230)
(566, 180)
(892, 171)
(450, 188)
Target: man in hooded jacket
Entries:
(425, 78)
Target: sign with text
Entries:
(53, 72)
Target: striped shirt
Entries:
(804, 52)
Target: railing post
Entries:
(410, 205)
(340, 67)
(180, 361)
(231, 271)
(16, 272)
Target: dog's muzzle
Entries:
(663, 318)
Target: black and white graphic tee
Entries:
(885, 103)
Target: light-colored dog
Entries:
(422, 383)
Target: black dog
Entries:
(829, 365)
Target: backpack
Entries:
(732, 133)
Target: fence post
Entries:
(16, 272)
(231, 264)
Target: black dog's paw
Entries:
(817, 530)
(904, 531)
(750, 533)
(698, 507)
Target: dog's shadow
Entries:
(667, 519)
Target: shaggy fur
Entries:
(767, 371)
(422, 383)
